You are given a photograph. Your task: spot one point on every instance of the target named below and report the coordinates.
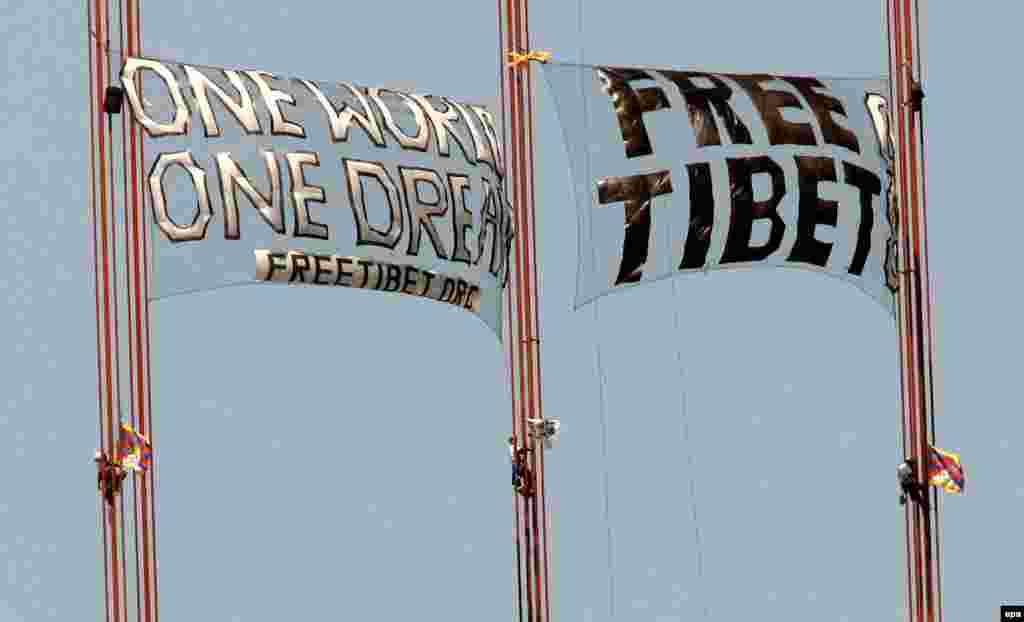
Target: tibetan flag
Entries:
(134, 450)
(945, 470)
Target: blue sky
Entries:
(346, 457)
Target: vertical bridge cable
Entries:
(519, 567)
(509, 330)
(107, 343)
(507, 43)
(532, 325)
(533, 342)
(929, 299)
(904, 366)
(917, 278)
(95, 80)
(110, 233)
(131, 275)
(903, 329)
(905, 299)
(138, 289)
(887, 8)
(916, 299)
(521, 281)
(524, 336)
(523, 291)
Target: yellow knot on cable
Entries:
(520, 58)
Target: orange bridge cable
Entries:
(908, 533)
(545, 535)
(111, 231)
(919, 315)
(931, 304)
(132, 336)
(536, 546)
(535, 306)
(532, 364)
(516, 159)
(924, 535)
(107, 592)
(512, 172)
(524, 292)
(124, 547)
(142, 387)
(115, 286)
(515, 267)
(924, 453)
(511, 330)
(887, 8)
(524, 300)
(531, 613)
(147, 492)
(517, 281)
(906, 380)
(91, 90)
(909, 396)
(902, 310)
(522, 265)
(923, 310)
(112, 552)
(108, 440)
(525, 306)
(519, 570)
(129, 292)
(131, 274)
(532, 382)
(928, 326)
(924, 216)
(122, 557)
(921, 419)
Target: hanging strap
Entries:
(517, 59)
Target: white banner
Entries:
(681, 171)
(251, 176)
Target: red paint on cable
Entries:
(893, 109)
(535, 324)
(923, 535)
(524, 289)
(510, 337)
(101, 31)
(931, 303)
(922, 421)
(141, 369)
(93, 114)
(132, 319)
(148, 489)
(904, 416)
(115, 420)
(515, 146)
(898, 111)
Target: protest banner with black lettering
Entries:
(256, 177)
(683, 171)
